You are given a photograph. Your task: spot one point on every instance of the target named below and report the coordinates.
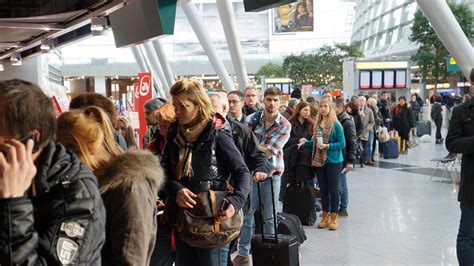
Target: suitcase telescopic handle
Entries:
(270, 179)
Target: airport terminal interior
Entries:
(412, 58)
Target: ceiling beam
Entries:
(71, 26)
(11, 44)
(32, 26)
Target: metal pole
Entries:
(196, 23)
(138, 58)
(227, 15)
(448, 30)
(153, 73)
(164, 62)
(150, 51)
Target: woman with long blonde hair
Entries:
(327, 143)
(129, 183)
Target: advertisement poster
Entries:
(296, 17)
(142, 93)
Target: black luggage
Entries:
(290, 224)
(300, 200)
(276, 250)
(423, 128)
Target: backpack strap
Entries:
(256, 120)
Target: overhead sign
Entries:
(451, 65)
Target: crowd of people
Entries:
(75, 189)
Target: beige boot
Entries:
(333, 221)
(324, 221)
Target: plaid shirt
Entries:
(274, 138)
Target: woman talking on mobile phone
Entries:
(328, 142)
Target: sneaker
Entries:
(343, 213)
(241, 260)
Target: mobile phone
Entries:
(25, 139)
(224, 205)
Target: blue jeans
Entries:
(368, 146)
(248, 226)
(328, 179)
(343, 191)
(465, 240)
(187, 255)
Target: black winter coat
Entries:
(403, 121)
(298, 161)
(249, 148)
(64, 223)
(229, 161)
(384, 109)
(460, 139)
(350, 152)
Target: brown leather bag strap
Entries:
(214, 207)
(215, 211)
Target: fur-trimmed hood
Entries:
(128, 167)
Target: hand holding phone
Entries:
(17, 168)
(227, 210)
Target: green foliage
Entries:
(322, 68)
(270, 70)
(432, 54)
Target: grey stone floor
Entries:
(395, 217)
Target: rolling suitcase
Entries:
(300, 200)
(276, 250)
(423, 128)
(391, 149)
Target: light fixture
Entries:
(98, 23)
(46, 45)
(15, 59)
(1, 67)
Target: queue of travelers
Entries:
(76, 189)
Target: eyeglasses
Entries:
(234, 101)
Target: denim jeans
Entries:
(328, 179)
(190, 256)
(465, 240)
(343, 192)
(248, 226)
(162, 254)
(368, 146)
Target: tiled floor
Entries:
(395, 217)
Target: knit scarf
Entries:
(319, 155)
(185, 139)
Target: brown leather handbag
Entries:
(199, 227)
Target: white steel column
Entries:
(156, 79)
(165, 65)
(448, 30)
(227, 15)
(154, 62)
(196, 23)
(138, 58)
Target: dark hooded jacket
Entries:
(229, 162)
(350, 152)
(129, 185)
(460, 140)
(63, 223)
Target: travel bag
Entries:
(391, 149)
(290, 224)
(276, 250)
(423, 128)
(299, 200)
